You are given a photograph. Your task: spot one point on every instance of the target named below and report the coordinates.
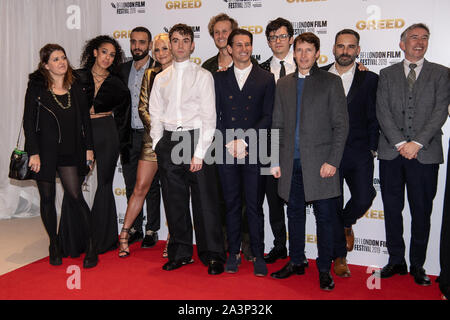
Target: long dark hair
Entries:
(88, 59)
(44, 56)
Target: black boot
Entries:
(91, 258)
(54, 251)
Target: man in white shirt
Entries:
(362, 142)
(244, 102)
(280, 36)
(412, 100)
(182, 107)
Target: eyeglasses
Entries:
(281, 37)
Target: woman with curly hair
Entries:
(109, 101)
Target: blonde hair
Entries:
(162, 36)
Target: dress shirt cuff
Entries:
(419, 144)
(399, 144)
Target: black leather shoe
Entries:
(91, 258)
(275, 254)
(419, 276)
(150, 240)
(391, 269)
(326, 281)
(215, 267)
(135, 236)
(172, 265)
(288, 270)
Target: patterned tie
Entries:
(282, 70)
(411, 76)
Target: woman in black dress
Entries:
(109, 101)
(58, 138)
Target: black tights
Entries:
(72, 188)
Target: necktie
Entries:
(411, 76)
(282, 70)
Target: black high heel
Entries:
(55, 255)
(91, 258)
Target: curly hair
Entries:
(218, 18)
(87, 57)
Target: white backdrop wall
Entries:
(26, 26)
(379, 23)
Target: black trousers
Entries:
(421, 184)
(358, 174)
(179, 186)
(153, 197)
(276, 212)
(444, 277)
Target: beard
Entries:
(137, 57)
(345, 60)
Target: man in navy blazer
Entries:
(244, 100)
(357, 162)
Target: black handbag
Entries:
(18, 165)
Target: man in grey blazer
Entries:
(412, 101)
(311, 115)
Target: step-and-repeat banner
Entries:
(379, 22)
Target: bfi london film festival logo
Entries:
(129, 7)
(243, 4)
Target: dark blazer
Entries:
(212, 64)
(323, 131)
(42, 128)
(113, 96)
(430, 99)
(266, 64)
(361, 101)
(125, 68)
(250, 108)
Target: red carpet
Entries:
(140, 276)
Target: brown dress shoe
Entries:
(340, 267)
(350, 238)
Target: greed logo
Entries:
(243, 4)
(129, 7)
(374, 214)
(121, 34)
(380, 24)
(120, 191)
(254, 29)
(196, 60)
(322, 59)
(183, 4)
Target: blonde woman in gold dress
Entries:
(147, 165)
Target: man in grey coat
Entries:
(412, 101)
(311, 115)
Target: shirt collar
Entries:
(348, 72)
(419, 63)
(243, 71)
(288, 59)
(303, 76)
(181, 65)
(144, 67)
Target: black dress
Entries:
(110, 136)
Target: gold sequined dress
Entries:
(147, 153)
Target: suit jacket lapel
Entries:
(231, 78)
(358, 79)
(251, 79)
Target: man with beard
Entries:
(360, 149)
(132, 73)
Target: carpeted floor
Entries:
(140, 276)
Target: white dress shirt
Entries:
(417, 69)
(183, 98)
(346, 77)
(242, 75)
(289, 65)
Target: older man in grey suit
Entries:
(310, 112)
(412, 101)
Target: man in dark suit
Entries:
(362, 142)
(244, 100)
(132, 73)
(280, 36)
(310, 113)
(412, 100)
